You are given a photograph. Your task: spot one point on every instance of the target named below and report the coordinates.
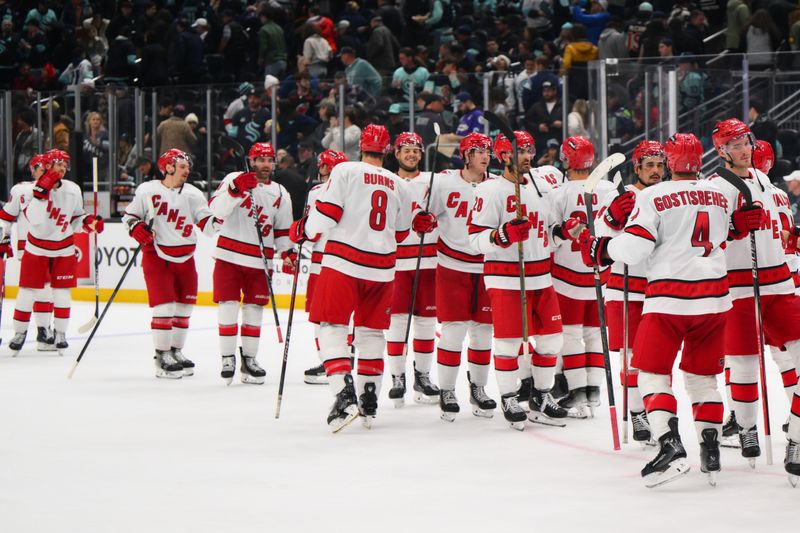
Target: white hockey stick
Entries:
(90, 324)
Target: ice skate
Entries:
(709, 455)
(345, 406)
(525, 388)
(448, 404)
(250, 371)
(16, 343)
(398, 391)
(228, 368)
(560, 387)
(45, 340)
(748, 439)
(513, 412)
(545, 410)
(482, 405)
(592, 398)
(575, 404)
(792, 462)
(425, 391)
(61, 342)
(641, 429)
(368, 405)
(188, 365)
(730, 432)
(670, 463)
(166, 365)
(316, 376)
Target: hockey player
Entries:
(679, 228)
(408, 151)
(19, 198)
(780, 308)
(462, 303)
(179, 211)
(494, 231)
(581, 357)
(244, 205)
(54, 213)
(326, 162)
(550, 174)
(648, 166)
(364, 209)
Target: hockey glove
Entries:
(617, 213)
(6, 250)
(790, 246)
(594, 250)
(746, 219)
(45, 184)
(297, 232)
(569, 230)
(514, 231)
(289, 261)
(424, 222)
(142, 233)
(93, 224)
(243, 183)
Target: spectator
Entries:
(409, 72)
(760, 39)
(543, 120)
(655, 31)
(345, 38)
(551, 155)
(251, 124)
(620, 118)
(358, 23)
(174, 132)
(187, 57)
(432, 112)
(200, 27)
(471, 116)
(121, 61)
(612, 42)
(507, 40)
(360, 73)
(578, 119)
(303, 92)
(695, 31)
(123, 19)
(793, 191)
(397, 122)
(155, 70)
(565, 36)
(762, 126)
(352, 134)
(9, 45)
(94, 47)
(79, 71)
(691, 84)
(26, 142)
(271, 44)
(100, 25)
(666, 50)
(316, 50)
(287, 175)
(637, 27)
(325, 25)
(61, 132)
(595, 21)
(95, 144)
(25, 78)
(579, 51)
(33, 46)
(199, 132)
(382, 47)
(306, 162)
(391, 16)
(532, 90)
(294, 125)
(234, 46)
(146, 22)
(44, 17)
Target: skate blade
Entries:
(519, 426)
(341, 423)
(752, 462)
(399, 402)
(645, 443)
(44, 347)
(424, 399)
(793, 480)
(580, 412)
(538, 418)
(228, 380)
(188, 371)
(315, 380)
(252, 380)
(448, 417)
(169, 375)
(730, 442)
(366, 421)
(712, 478)
(61, 352)
(15, 353)
(677, 469)
(483, 413)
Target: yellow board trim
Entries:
(139, 296)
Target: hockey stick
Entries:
(588, 188)
(747, 195)
(288, 332)
(86, 327)
(2, 293)
(621, 190)
(415, 283)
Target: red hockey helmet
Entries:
(577, 153)
(647, 149)
(763, 157)
(375, 139)
(684, 153)
(408, 139)
(503, 146)
(170, 157)
(728, 130)
(36, 161)
(474, 141)
(261, 150)
(330, 158)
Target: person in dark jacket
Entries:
(155, 70)
(543, 120)
(121, 60)
(187, 55)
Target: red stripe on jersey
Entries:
(595, 360)
(394, 348)
(633, 379)
(42, 307)
(22, 316)
(424, 346)
(511, 268)
(789, 378)
(360, 257)
(316, 257)
(400, 236)
(710, 412)
(660, 402)
(796, 405)
(506, 364)
(574, 361)
(332, 211)
(409, 251)
(687, 290)
(61, 312)
(4, 215)
(51, 245)
(180, 322)
(766, 276)
(639, 231)
(796, 278)
(443, 249)
(161, 322)
(338, 366)
(177, 251)
(727, 377)
(479, 357)
(744, 392)
(202, 223)
(244, 248)
(546, 361)
(250, 331)
(370, 367)
(636, 284)
(448, 357)
(228, 330)
(21, 245)
(578, 279)
(475, 228)
(281, 233)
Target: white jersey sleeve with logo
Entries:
(550, 174)
(178, 213)
(53, 222)
(781, 201)
(408, 249)
(319, 246)
(572, 278)
(495, 204)
(679, 228)
(19, 198)
(364, 210)
(773, 273)
(237, 241)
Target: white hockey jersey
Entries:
(571, 277)
(19, 198)
(495, 203)
(408, 249)
(53, 222)
(773, 273)
(550, 174)
(679, 228)
(781, 200)
(178, 213)
(637, 274)
(237, 240)
(319, 245)
(365, 210)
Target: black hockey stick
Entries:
(415, 283)
(88, 325)
(747, 195)
(621, 191)
(2, 292)
(288, 332)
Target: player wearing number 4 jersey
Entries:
(679, 228)
(168, 241)
(365, 210)
(247, 203)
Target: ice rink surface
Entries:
(116, 450)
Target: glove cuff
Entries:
(612, 222)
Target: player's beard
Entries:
(407, 168)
